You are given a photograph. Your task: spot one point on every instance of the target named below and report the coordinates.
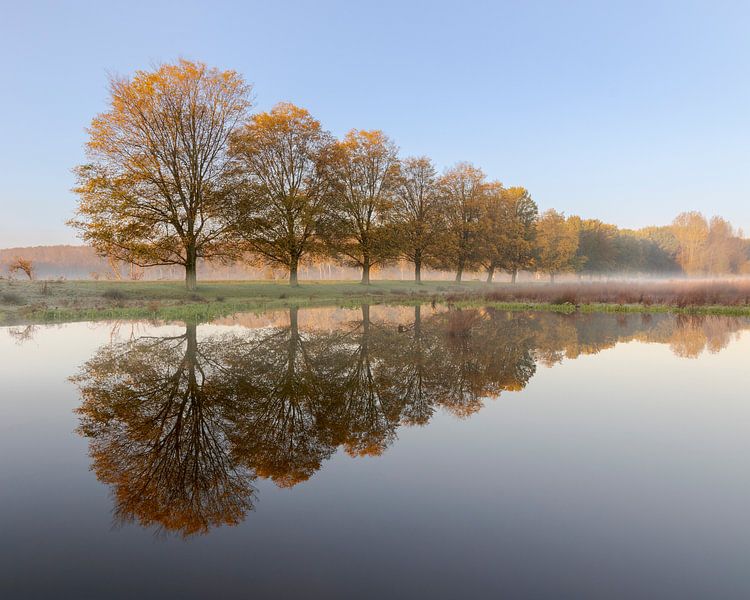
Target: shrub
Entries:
(567, 297)
(113, 295)
(12, 298)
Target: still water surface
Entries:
(377, 453)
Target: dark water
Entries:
(377, 453)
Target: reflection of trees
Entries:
(278, 395)
(154, 411)
(410, 373)
(180, 426)
(483, 353)
(361, 414)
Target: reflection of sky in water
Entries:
(621, 473)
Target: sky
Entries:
(629, 112)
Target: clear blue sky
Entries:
(625, 111)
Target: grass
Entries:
(48, 301)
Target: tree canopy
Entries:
(285, 193)
(159, 183)
(179, 172)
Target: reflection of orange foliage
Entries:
(374, 448)
(283, 478)
(326, 318)
(464, 411)
(180, 427)
(154, 420)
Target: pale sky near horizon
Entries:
(625, 111)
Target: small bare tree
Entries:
(21, 264)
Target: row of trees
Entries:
(180, 170)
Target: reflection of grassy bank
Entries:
(36, 301)
(731, 311)
(90, 300)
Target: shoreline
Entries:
(39, 302)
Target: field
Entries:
(59, 301)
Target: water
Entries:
(377, 452)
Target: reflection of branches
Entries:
(22, 334)
(154, 415)
(180, 427)
(411, 375)
(482, 354)
(276, 430)
(360, 415)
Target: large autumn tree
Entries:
(285, 191)
(362, 170)
(416, 212)
(494, 229)
(519, 253)
(597, 246)
(158, 184)
(691, 231)
(556, 243)
(462, 190)
(506, 230)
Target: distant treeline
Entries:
(181, 172)
(691, 245)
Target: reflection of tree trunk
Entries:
(364, 346)
(293, 341)
(191, 336)
(417, 320)
(365, 318)
(191, 355)
(490, 273)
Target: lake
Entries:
(377, 452)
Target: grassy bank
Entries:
(39, 301)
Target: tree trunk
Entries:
(418, 270)
(513, 275)
(459, 272)
(552, 278)
(490, 273)
(366, 272)
(191, 277)
(293, 281)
